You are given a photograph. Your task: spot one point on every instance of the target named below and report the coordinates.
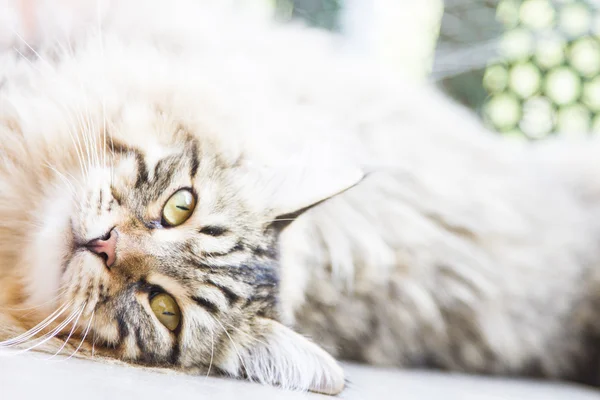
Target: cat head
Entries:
(158, 239)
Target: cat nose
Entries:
(105, 246)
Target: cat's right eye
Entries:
(166, 310)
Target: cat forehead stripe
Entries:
(164, 167)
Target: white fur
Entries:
(284, 358)
(468, 232)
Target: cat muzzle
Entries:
(105, 247)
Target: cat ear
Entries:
(285, 358)
(301, 189)
(289, 187)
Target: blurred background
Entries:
(528, 68)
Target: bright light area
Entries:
(525, 79)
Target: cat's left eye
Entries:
(179, 207)
(166, 310)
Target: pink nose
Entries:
(105, 247)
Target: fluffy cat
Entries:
(185, 187)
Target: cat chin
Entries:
(47, 251)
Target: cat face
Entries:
(155, 223)
(173, 229)
(163, 253)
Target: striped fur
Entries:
(224, 274)
(457, 250)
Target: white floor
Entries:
(32, 376)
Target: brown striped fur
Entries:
(457, 250)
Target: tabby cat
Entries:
(187, 187)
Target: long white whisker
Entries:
(69, 184)
(52, 334)
(90, 132)
(246, 334)
(62, 291)
(212, 352)
(234, 345)
(100, 39)
(78, 144)
(75, 139)
(85, 149)
(32, 49)
(27, 59)
(70, 333)
(87, 330)
(94, 344)
(36, 329)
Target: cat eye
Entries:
(178, 208)
(166, 310)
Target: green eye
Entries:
(179, 207)
(166, 310)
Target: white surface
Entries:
(33, 376)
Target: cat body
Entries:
(376, 218)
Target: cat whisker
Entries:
(82, 144)
(90, 138)
(29, 335)
(79, 155)
(112, 162)
(104, 132)
(72, 131)
(69, 184)
(36, 329)
(70, 333)
(70, 178)
(78, 150)
(33, 308)
(77, 143)
(234, 345)
(212, 352)
(246, 334)
(94, 344)
(74, 137)
(87, 330)
(97, 138)
(76, 125)
(48, 336)
(101, 42)
(88, 130)
(76, 180)
(26, 59)
(32, 49)
(62, 290)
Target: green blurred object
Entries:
(468, 38)
(551, 49)
(530, 68)
(318, 13)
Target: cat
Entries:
(183, 186)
